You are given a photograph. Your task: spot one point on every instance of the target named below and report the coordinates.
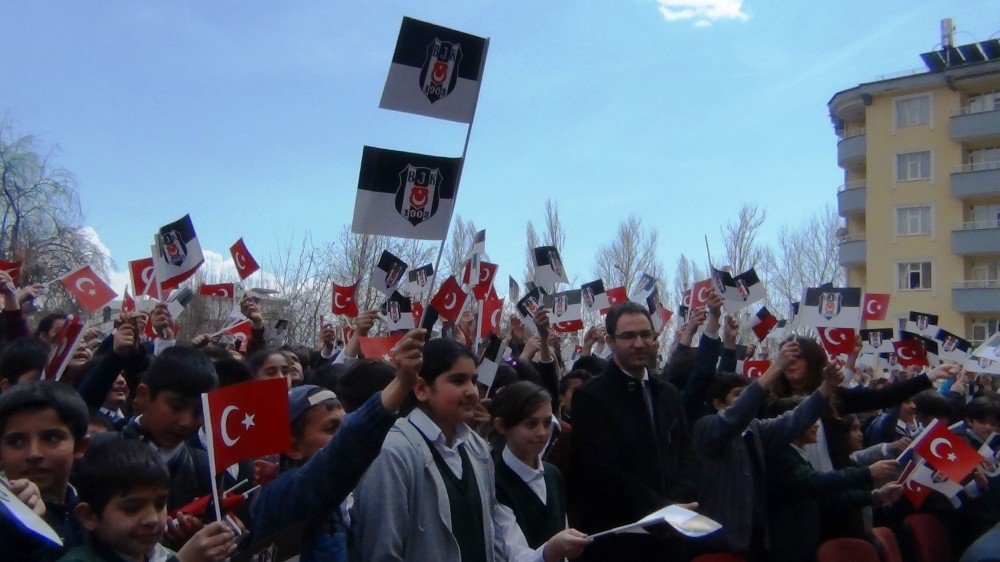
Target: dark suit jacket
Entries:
(625, 469)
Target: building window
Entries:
(986, 271)
(913, 166)
(911, 221)
(986, 213)
(913, 110)
(984, 159)
(983, 329)
(914, 276)
(984, 102)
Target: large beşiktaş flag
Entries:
(435, 71)
(176, 253)
(405, 195)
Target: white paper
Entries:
(29, 519)
(685, 521)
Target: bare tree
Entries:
(687, 273)
(739, 238)
(532, 242)
(554, 233)
(629, 255)
(40, 218)
(463, 233)
(805, 256)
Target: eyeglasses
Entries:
(646, 335)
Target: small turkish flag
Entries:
(948, 453)
(343, 300)
(875, 306)
(763, 323)
(754, 369)
(417, 310)
(491, 313)
(245, 264)
(699, 294)
(225, 290)
(487, 271)
(128, 303)
(615, 295)
(13, 268)
(144, 278)
(379, 348)
(914, 491)
(665, 314)
(88, 289)
(837, 341)
(449, 300)
(246, 420)
(910, 352)
(242, 331)
(63, 346)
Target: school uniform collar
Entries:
(433, 433)
(522, 470)
(802, 452)
(166, 455)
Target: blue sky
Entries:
(251, 116)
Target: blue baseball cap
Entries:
(301, 398)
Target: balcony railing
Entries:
(969, 109)
(977, 225)
(983, 284)
(857, 184)
(857, 237)
(851, 133)
(980, 166)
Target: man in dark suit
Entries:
(631, 446)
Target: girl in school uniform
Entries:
(532, 489)
(430, 493)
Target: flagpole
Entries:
(210, 444)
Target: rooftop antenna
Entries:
(947, 39)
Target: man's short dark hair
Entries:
(594, 365)
(722, 384)
(23, 355)
(621, 309)
(581, 375)
(45, 324)
(232, 371)
(932, 403)
(114, 467)
(361, 381)
(183, 370)
(983, 408)
(42, 395)
(328, 376)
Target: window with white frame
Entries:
(986, 213)
(914, 275)
(987, 270)
(913, 166)
(984, 159)
(984, 328)
(912, 221)
(984, 102)
(913, 110)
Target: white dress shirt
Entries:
(434, 434)
(533, 477)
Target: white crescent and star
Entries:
(336, 301)
(701, 295)
(241, 262)
(935, 444)
(450, 301)
(904, 353)
(753, 372)
(224, 429)
(147, 275)
(868, 307)
(86, 281)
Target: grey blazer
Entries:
(401, 510)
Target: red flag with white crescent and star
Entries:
(379, 348)
(13, 268)
(913, 490)
(242, 331)
(491, 314)
(343, 300)
(615, 295)
(487, 271)
(910, 352)
(245, 264)
(246, 420)
(699, 294)
(755, 368)
(224, 290)
(875, 306)
(144, 278)
(837, 341)
(449, 300)
(128, 303)
(88, 289)
(948, 453)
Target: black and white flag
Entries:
(548, 267)
(922, 323)
(594, 297)
(828, 307)
(644, 287)
(404, 194)
(177, 253)
(493, 355)
(737, 291)
(876, 341)
(565, 311)
(435, 71)
(952, 347)
(387, 274)
(397, 312)
(419, 280)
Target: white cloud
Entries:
(218, 266)
(703, 12)
(91, 235)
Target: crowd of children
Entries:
(411, 459)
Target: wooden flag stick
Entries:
(709, 252)
(210, 445)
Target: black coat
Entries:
(625, 470)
